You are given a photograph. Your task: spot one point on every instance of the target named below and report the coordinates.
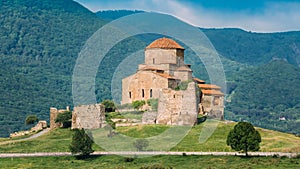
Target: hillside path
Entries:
(29, 138)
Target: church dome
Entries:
(164, 43)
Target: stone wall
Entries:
(178, 107)
(143, 80)
(160, 56)
(53, 115)
(213, 106)
(88, 116)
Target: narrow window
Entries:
(143, 93)
(153, 61)
(174, 95)
(150, 93)
(130, 95)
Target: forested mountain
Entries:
(265, 94)
(40, 41)
(256, 48)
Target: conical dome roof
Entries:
(164, 43)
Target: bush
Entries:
(81, 144)
(65, 118)
(31, 119)
(153, 103)
(138, 104)
(182, 85)
(109, 105)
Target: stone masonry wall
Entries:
(88, 116)
(178, 107)
(213, 106)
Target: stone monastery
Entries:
(160, 78)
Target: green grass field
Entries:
(180, 162)
(58, 140)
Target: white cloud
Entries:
(275, 17)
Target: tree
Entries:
(31, 119)
(65, 118)
(109, 105)
(244, 137)
(138, 104)
(140, 144)
(81, 143)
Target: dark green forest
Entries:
(40, 41)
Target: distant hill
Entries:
(109, 15)
(256, 48)
(265, 94)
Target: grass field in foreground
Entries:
(59, 140)
(188, 162)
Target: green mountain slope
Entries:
(265, 94)
(40, 41)
(256, 48)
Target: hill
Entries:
(265, 94)
(256, 48)
(40, 41)
(59, 139)
(109, 15)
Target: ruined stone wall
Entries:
(213, 106)
(53, 115)
(178, 107)
(142, 80)
(88, 116)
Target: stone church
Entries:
(159, 78)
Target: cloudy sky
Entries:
(250, 15)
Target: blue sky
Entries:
(250, 15)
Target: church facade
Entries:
(160, 78)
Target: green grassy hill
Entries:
(59, 140)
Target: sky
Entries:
(249, 15)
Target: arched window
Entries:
(150, 93)
(143, 93)
(130, 95)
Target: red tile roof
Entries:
(198, 80)
(209, 86)
(164, 43)
(212, 92)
